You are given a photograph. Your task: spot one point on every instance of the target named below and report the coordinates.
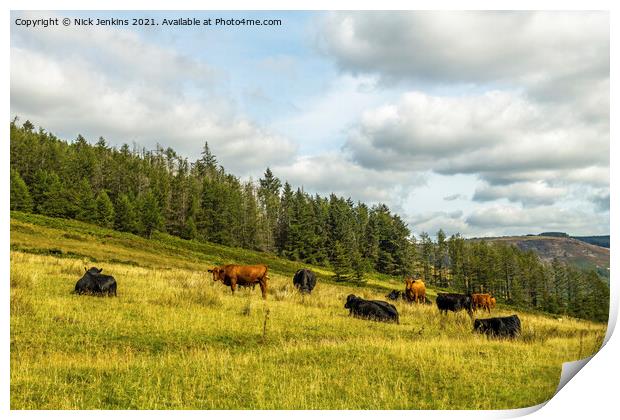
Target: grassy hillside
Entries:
(175, 339)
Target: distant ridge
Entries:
(602, 240)
(599, 240)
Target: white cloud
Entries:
(453, 197)
(501, 136)
(528, 193)
(600, 199)
(553, 54)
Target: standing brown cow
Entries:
(415, 290)
(482, 301)
(242, 275)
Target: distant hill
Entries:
(555, 234)
(576, 251)
(601, 240)
(595, 240)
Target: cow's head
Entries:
(93, 270)
(218, 273)
(351, 299)
(478, 325)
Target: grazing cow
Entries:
(396, 295)
(376, 310)
(242, 275)
(508, 326)
(304, 280)
(95, 283)
(481, 301)
(454, 302)
(415, 290)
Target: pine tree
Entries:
(426, 256)
(28, 126)
(340, 262)
(190, 231)
(440, 258)
(250, 218)
(20, 196)
(269, 196)
(207, 164)
(87, 206)
(150, 214)
(54, 201)
(456, 252)
(125, 218)
(104, 213)
(285, 214)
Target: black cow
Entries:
(396, 295)
(95, 283)
(304, 280)
(376, 310)
(454, 302)
(508, 326)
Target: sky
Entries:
(482, 123)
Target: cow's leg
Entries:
(233, 285)
(263, 287)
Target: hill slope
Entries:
(175, 339)
(602, 240)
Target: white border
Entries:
(593, 394)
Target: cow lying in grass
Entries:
(95, 283)
(376, 310)
(396, 295)
(508, 326)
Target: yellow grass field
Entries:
(174, 339)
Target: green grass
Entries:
(175, 339)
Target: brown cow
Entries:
(415, 290)
(493, 302)
(242, 275)
(482, 301)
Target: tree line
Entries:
(513, 276)
(142, 191)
